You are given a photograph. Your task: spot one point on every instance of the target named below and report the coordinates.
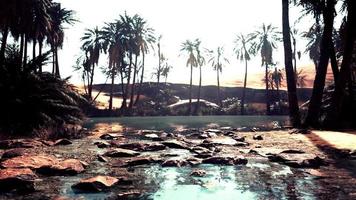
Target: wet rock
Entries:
(216, 131)
(293, 151)
(20, 143)
(153, 137)
(174, 144)
(102, 159)
(22, 180)
(121, 153)
(11, 153)
(229, 133)
(62, 142)
(241, 144)
(95, 184)
(194, 161)
(239, 138)
(203, 136)
(298, 160)
(139, 146)
(257, 137)
(102, 144)
(45, 164)
(174, 163)
(198, 173)
(66, 167)
(33, 162)
(141, 161)
(110, 136)
(201, 152)
(226, 160)
(226, 128)
(129, 195)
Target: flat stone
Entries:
(141, 161)
(174, 163)
(102, 159)
(129, 195)
(66, 167)
(226, 160)
(216, 131)
(45, 164)
(62, 142)
(22, 180)
(110, 136)
(174, 144)
(95, 184)
(139, 146)
(298, 160)
(153, 137)
(121, 153)
(102, 144)
(198, 173)
(239, 138)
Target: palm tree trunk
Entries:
(312, 118)
(25, 51)
(133, 84)
(141, 81)
(53, 60)
(244, 91)
(57, 64)
(34, 49)
(345, 70)
(218, 79)
(197, 109)
(5, 34)
(112, 88)
(91, 82)
(268, 107)
(334, 65)
(124, 101)
(190, 90)
(40, 46)
(294, 54)
(22, 41)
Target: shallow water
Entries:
(171, 123)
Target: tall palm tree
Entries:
(313, 36)
(145, 43)
(242, 50)
(291, 83)
(301, 79)
(217, 61)
(200, 63)
(265, 41)
(59, 18)
(93, 45)
(327, 10)
(189, 48)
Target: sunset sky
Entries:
(215, 22)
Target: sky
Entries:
(214, 22)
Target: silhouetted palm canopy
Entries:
(265, 41)
(217, 59)
(189, 48)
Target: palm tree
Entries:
(294, 33)
(200, 62)
(59, 17)
(327, 11)
(189, 47)
(93, 45)
(165, 71)
(265, 41)
(217, 61)
(313, 36)
(242, 50)
(301, 79)
(291, 83)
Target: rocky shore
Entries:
(108, 161)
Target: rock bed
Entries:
(108, 162)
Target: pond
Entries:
(171, 123)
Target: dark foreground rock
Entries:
(95, 184)
(198, 173)
(140, 146)
(20, 143)
(21, 180)
(11, 153)
(226, 160)
(62, 142)
(298, 160)
(115, 153)
(66, 167)
(174, 144)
